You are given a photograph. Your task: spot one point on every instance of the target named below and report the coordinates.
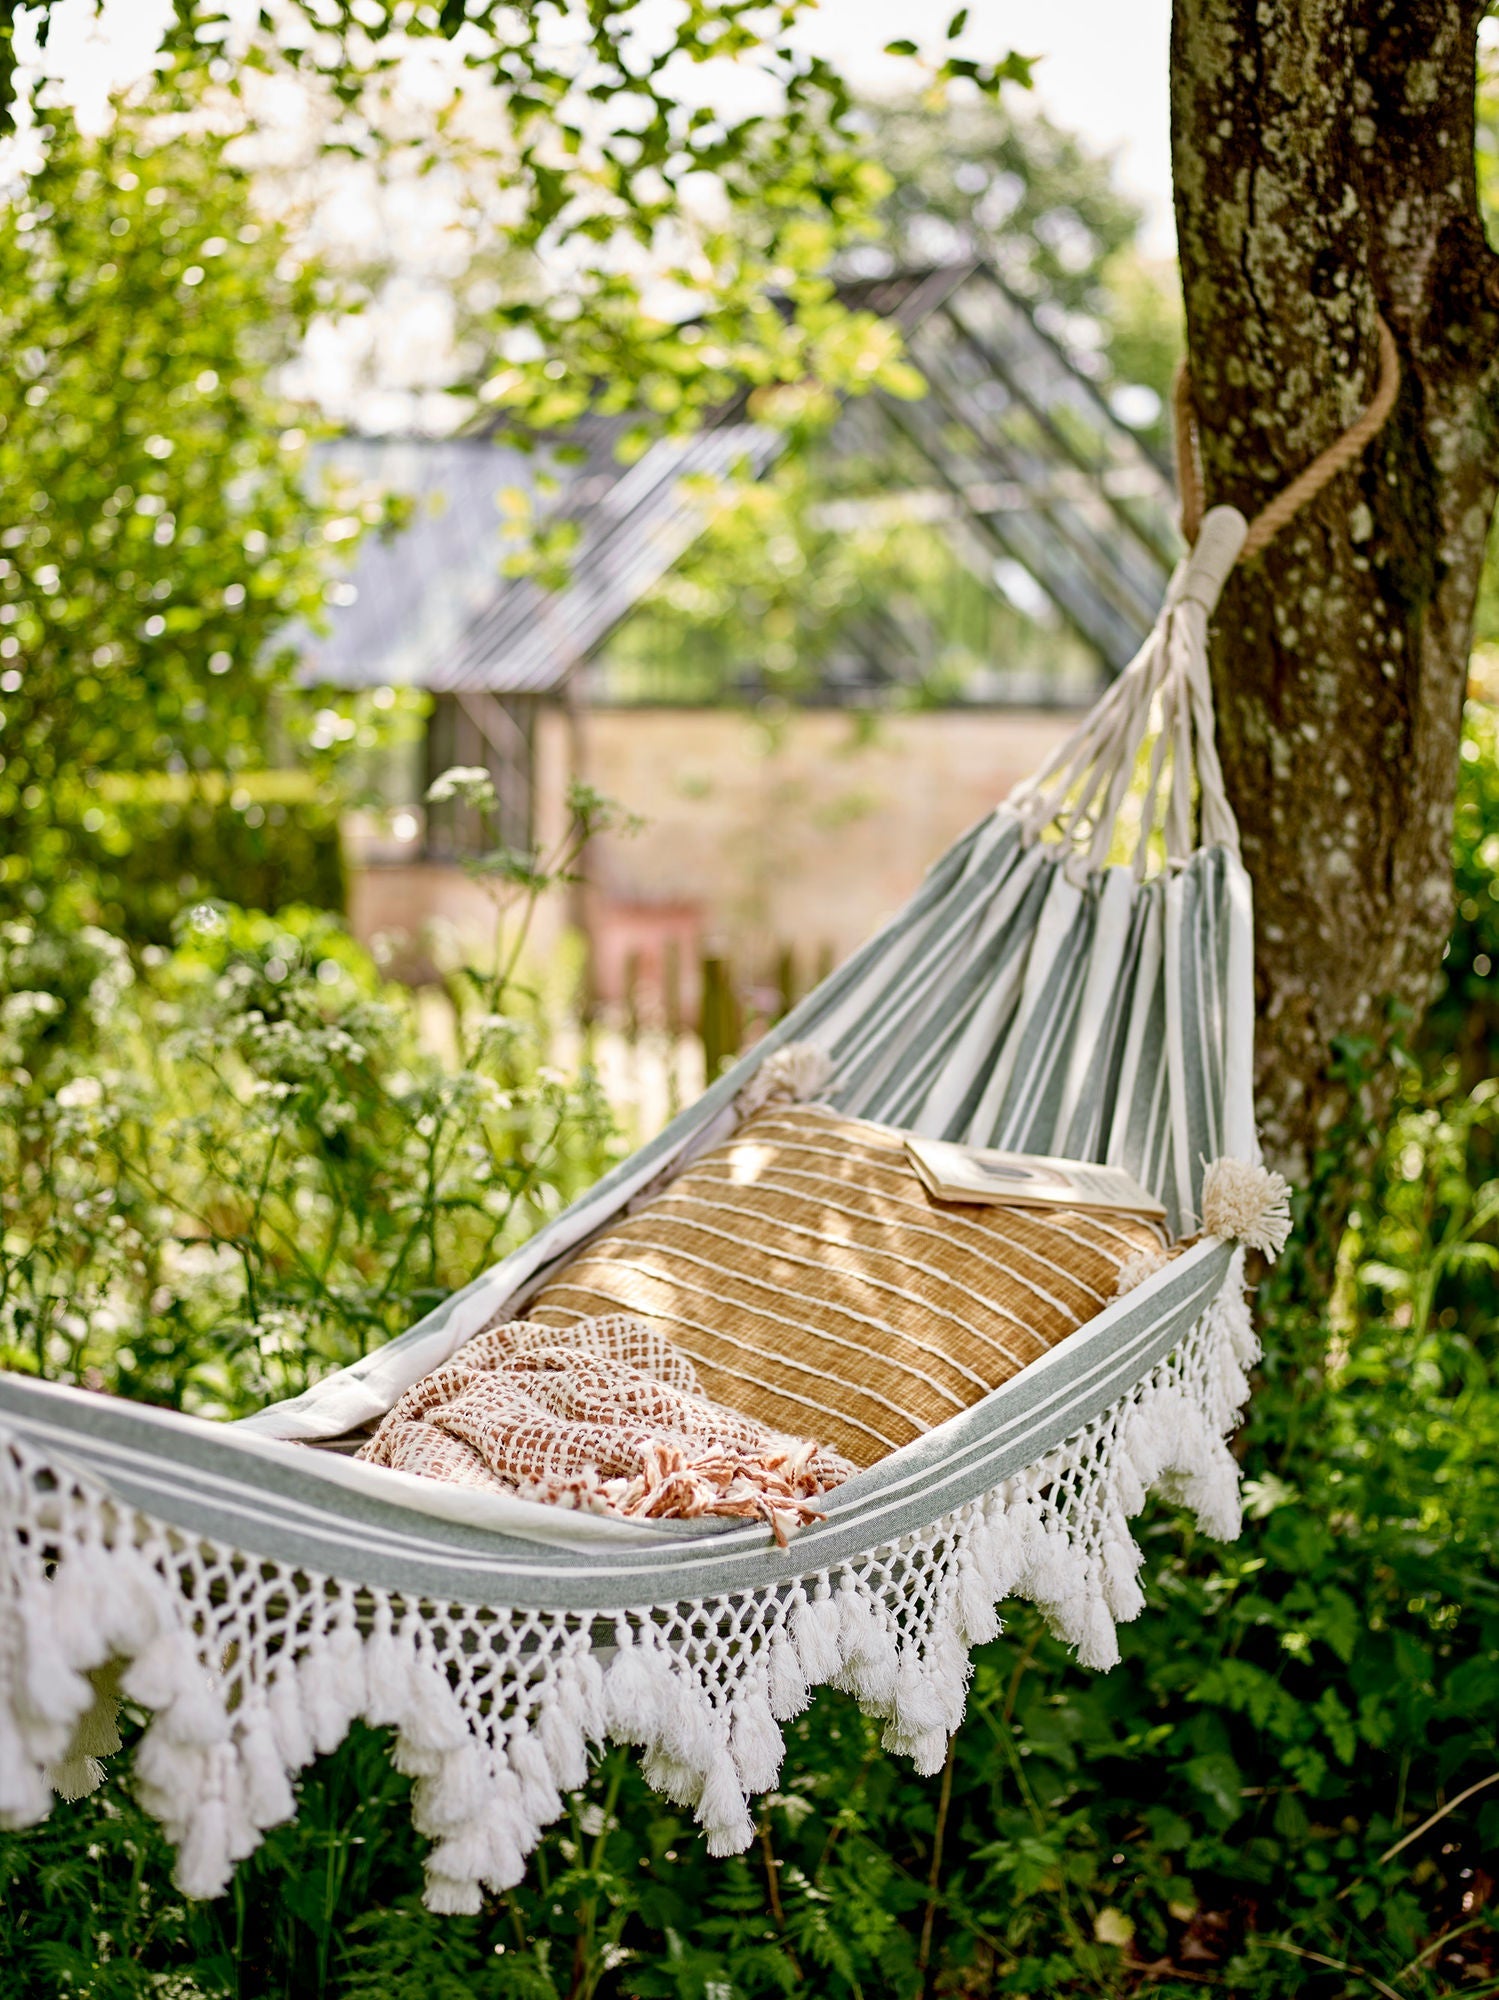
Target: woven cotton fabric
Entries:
(606, 1416)
(817, 1286)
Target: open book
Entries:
(1024, 1180)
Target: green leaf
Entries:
(1217, 1777)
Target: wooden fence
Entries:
(730, 1011)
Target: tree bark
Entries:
(1324, 164)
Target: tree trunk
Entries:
(1324, 162)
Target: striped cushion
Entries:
(818, 1287)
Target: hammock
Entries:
(257, 1596)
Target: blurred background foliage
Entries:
(230, 1158)
(162, 536)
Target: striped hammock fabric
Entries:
(257, 1596)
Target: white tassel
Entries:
(464, 1854)
(674, 1780)
(25, 1795)
(687, 1723)
(1121, 1585)
(1248, 1204)
(50, 1689)
(388, 1659)
(204, 1863)
(1151, 1434)
(446, 1896)
(433, 1719)
(757, 1745)
(722, 1811)
(243, 1834)
(999, 1549)
(1128, 1485)
(562, 1740)
(456, 1792)
(288, 1724)
(1050, 1579)
(795, 1074)
(581, 1694)
(949, 1671)
(788, 1684)
(169, 1777)
(978, 1617)
(817, 1630)
(74, 1598)
(918, 1707)
(1097, 1641)
(170, 1678)
(539, 1794)
(868, 1651)
(135, 1604)
(346, 1656)
(269, 1798)
(1212, 1491)
(505, 1860)
(927, 1751)
(633, 1691)
(328, 1716)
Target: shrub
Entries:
(152, 846)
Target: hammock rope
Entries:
(1326, 466)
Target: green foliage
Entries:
(148, 847)
(977, 177)
(235, 1166)
(1220, 1814)
(159, 537)
(676, 186)
(1464, 1018)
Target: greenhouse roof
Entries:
(1037, 467)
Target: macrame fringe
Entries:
(250, 1671)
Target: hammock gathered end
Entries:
(255, 1597)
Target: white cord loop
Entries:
(1164, 688)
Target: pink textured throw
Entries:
(608, 1417)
